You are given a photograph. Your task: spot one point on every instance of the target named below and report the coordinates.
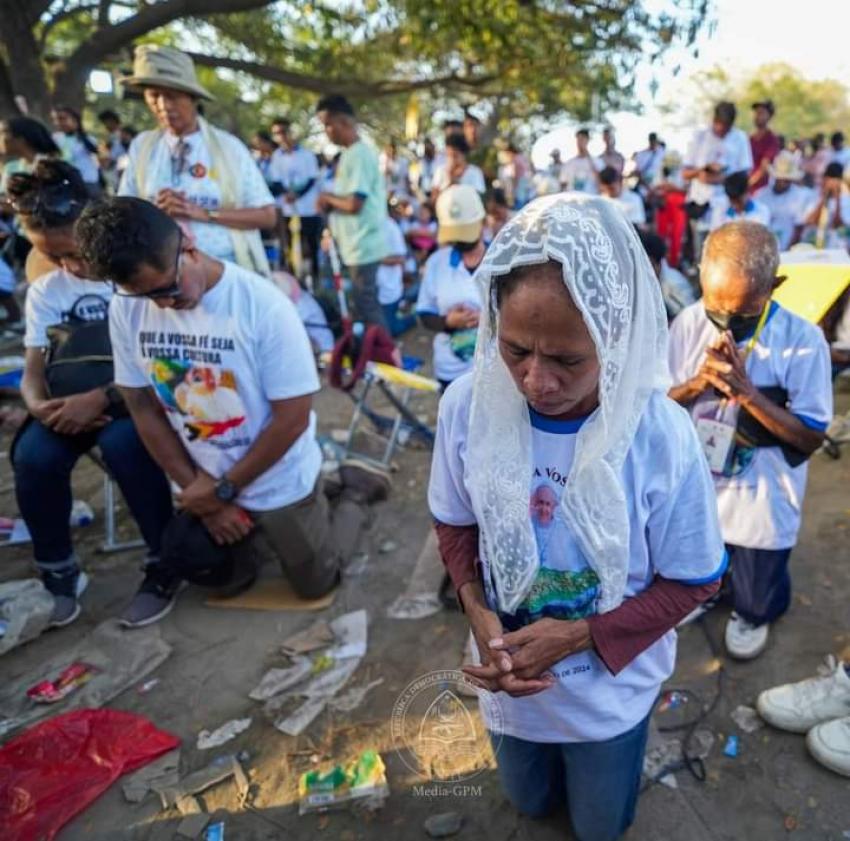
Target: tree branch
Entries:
(64, 14)
(111, 38)
(348, 87)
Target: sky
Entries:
(748, 33)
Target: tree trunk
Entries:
(25, 74)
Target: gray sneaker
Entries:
(153, 600)
(66, 605)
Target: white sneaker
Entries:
(829, 744)
(743, 640)
(797, 707)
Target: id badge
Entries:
(717, 439)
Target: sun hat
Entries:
(164, 67)
(785, 167)
(460, 214)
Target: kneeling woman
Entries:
(69, 418)
(574, 508)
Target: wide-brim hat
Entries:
(460, 214)
(164, 67)
(786, 167)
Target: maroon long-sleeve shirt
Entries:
(619, 635)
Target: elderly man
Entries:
(756, 380)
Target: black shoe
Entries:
(365, 481)
(244, 576)
(154, 599)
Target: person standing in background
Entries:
(611, 157)
(648, 163)
(297, 171)
(764, 144)
(714, 153)
(23, 141)
(840, 152)
(201, 176)
(394, 169)
(427, 168)
(581, 173)
(78, 148)
(357, 207)
(456, 169)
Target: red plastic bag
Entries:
(52, 771)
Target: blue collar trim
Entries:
(561, 427)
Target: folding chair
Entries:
(110, 543)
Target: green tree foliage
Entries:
(804, 106)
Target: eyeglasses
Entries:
(173, 290)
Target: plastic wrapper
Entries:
(364, 779)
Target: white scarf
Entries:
(614, 287)
(247, 245)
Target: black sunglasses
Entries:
(173, 290)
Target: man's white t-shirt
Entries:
(295, 170)
(577, 174)
(192, 174)
(723, 212)
(59, 297)
(672, 515)
(732, 153)
(447, 283)
(472, 177)
(834, 238)
(390, 279)
(648, 163)
(632, 206)
(787, 210)
(215, 369)
(759, 495)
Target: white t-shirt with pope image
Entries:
(215, 368)
(672, 514)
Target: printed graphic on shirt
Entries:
(565, 586)
(462, 343)
(186, 373)
(86, 308)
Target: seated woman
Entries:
(62, 427)
(566, 407)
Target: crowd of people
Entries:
(597, 480)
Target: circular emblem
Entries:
(455, 210)
(197, 171)
(439, 730)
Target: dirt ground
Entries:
(772, 790)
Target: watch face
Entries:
(226, 491)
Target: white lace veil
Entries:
(612, 282)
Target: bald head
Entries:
(738, 268)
